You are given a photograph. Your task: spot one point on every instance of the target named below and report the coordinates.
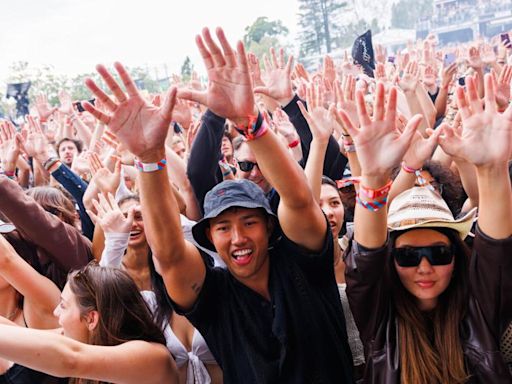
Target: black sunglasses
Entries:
(246, 166)
(411, 256)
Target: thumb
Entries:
(117, 166)
(170, 101)
(192, 95)
(130, 216)
(263, 90)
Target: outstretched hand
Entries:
(486, 136)
(380, 146)
(277, 78)
(142, 127)
(109, 215)
(229, 93)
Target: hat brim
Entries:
(199, 229)
(462, 226)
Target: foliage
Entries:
(406, 13)
(318, 25)
(186, 69)
(262, 28)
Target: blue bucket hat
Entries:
(231, 193)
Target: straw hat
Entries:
(421, 207)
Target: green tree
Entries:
(262, 28)
(318, 24)
(186, 69)
(406, 13)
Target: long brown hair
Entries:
(430, 343)
(123, 313)
(53, 200)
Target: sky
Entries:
(73, 36)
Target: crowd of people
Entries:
(273, 225)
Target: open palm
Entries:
(229, 93)
(486, 136)
(139, 125)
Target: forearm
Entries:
(25, 346)
(402, 182)
(284, 174)
(467, 173)
(495, 201)
(314, 166)
(415, 108)
(161, 213)
(441, 102)
(429, 111)
(370, 227)
(82, 130)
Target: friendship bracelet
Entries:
(349, 148)
(375, 193)
(50, 162)
(408, 169)
(255, 123)
(294, 143)
(150, 167)
(373, 205)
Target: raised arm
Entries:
(486, 142)
(380, 147)
(142, 128)
(40, 294)
(131, 362)
(230, 95)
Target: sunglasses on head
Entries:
(411, 256)
(246, 166)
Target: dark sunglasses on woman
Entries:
(411, 256)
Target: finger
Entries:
(392, 104)
(379, 102)
(489, 94)
(204, 52)
(127, 80)
(111, 83)
(131, 215)
(263, 90)
(105, 203)
(102, 96)
(462, 103)
(92, 215)
(229, 54)
(105, 119)
(347, 123)
(474, 99)
(305, 113)
(266, 63)
(289, 63)
(200, 97)
(410, 129)
(361, 109)
(112, 201)
(170, 101)
(275, 63)
(99, 209)
(215, 52)
(117, 167)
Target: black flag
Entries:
(362, 52)
(19, 91)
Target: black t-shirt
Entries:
(297, 337)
